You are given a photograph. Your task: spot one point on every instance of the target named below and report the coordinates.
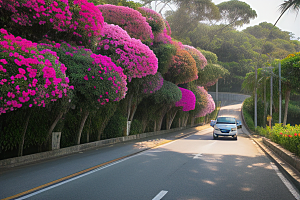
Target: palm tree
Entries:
(289, 4)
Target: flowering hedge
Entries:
(95, 77)
(201, 61)
(205, 104)
(30, 74)
(182, 68)
(169, 31)
(76, 20)
(129, 19)
(188, 100)
(287, 136)
(210, 74)
(152, 83)
(163, 37)
(154, 19)
(136, 58)
(168, 94)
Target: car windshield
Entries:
(225, 120)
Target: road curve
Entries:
(193, 167)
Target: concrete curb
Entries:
(17, 161)
(287, 162)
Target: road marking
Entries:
(197, 156)
(74, 178)
(58, 182)
(160, 195)
(286, 182)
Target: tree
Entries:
(186, 103)
(136, 59)
(236, 13)
(290, 78)
(188, 15)
(163, 4)
(210, 74)
(289, 4)
(97, 80)
(30, 76)
(164, 99)
(182, 69)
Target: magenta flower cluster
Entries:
(187, 101)
(102, 77)
(163, 37)
(154, 19)
(29, 75)
(136, 58)
(201, 61)
(169, 31)
(90, 19)
(129, 19)
(58, 14)
(40, 12)
(152, 83)
(112, 73)
(207, 102)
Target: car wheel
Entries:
(235, 137)
(215, 137)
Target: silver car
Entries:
(226, 126)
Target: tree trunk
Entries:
(129, 106)
(192, 121)
(186, 119)
(84, 117)
(21, 144)
(88, 131)
(170, 117)
(144, 122)
(161, 113)
(102, 127)
(287, 99)
(58, 117)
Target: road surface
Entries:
(194, 167)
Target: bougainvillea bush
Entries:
(76, 20)
(163, 37)
(188, 100)
(30, 74)
(201, 61)
(152, 83)
(154, 19)
(97, 80)
(136, 58)
(129, 19)
(182, 68)
(205, 104)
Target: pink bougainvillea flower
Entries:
(37, 73)
(131, 54)
(187, 101)
(129, 19)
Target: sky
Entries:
(268, 11)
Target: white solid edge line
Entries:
(286, 182)
(72, 179)
(160, 195)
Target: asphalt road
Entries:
(193, 167)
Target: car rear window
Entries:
(225, 120)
